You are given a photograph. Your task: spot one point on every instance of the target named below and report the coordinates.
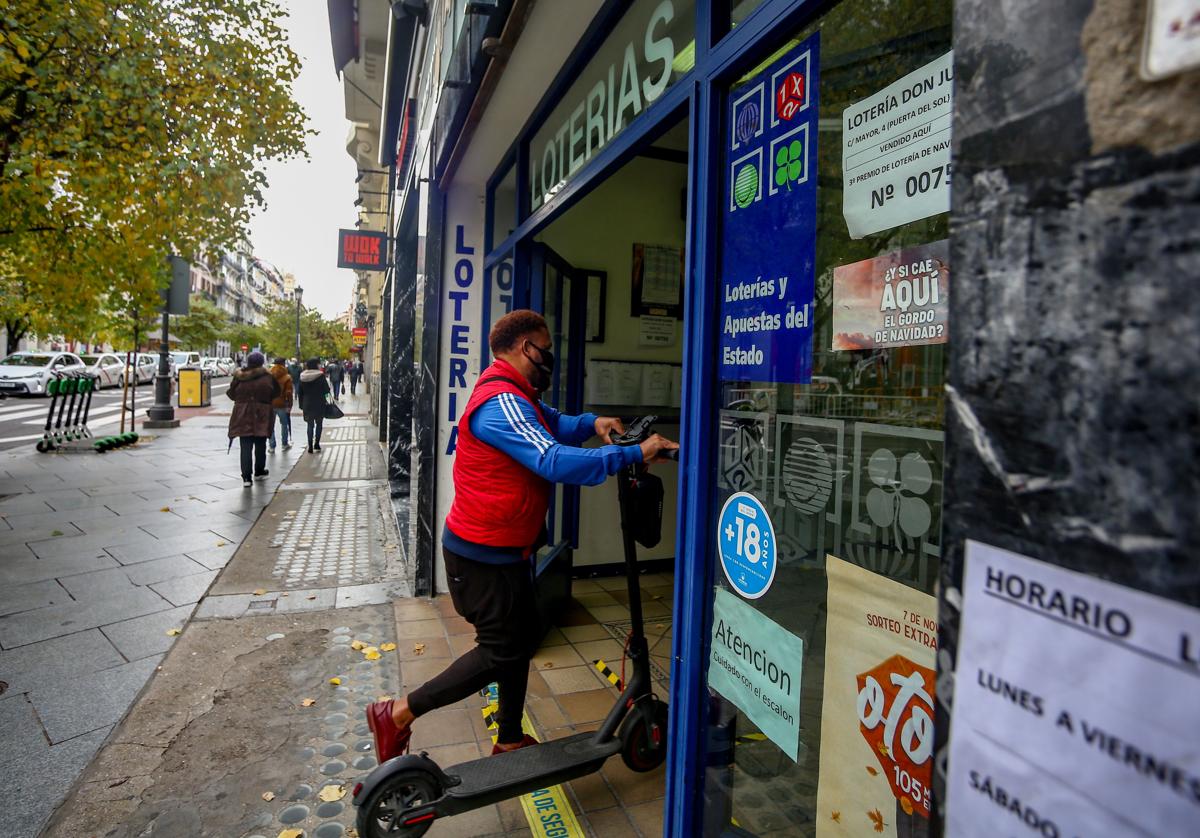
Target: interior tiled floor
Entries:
(567, 694)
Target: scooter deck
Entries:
(528, 769)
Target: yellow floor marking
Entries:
(609, 674)
(548, 811)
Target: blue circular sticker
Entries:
(746, 541)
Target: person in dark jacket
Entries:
(252, 390)
(312, 392)
(335, 373)
(294, 370)
(356, 372)
(282, 406)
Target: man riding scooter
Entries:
(511, 449)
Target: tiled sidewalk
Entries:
(567, 694)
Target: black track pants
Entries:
(498, 601)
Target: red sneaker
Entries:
(390, 741)
(526, 741)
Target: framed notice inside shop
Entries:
(657, 281)
(597, 299)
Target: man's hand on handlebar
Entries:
(606, 426)
(656, 449)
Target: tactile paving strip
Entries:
(343, 462)
(327, 540)
(338, 750)
(344, 433)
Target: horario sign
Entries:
(363, 251)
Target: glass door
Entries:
(560, 294)
(828, 424)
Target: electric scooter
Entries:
(403, 796)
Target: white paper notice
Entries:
(1172, 42)
(1075, 706)
(896, 151)
(656, 330)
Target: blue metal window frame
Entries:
(721, 54)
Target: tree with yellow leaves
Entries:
(129, 130)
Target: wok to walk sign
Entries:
(878, 706)
(362, 251)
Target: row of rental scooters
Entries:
(66, 421)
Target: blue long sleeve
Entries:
(569, 430)
(508, 423)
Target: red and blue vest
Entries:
(497, 501)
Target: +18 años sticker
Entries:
(746, 541)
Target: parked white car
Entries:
(217, 367)
(146, 364)
(29, 372)
(107, 367)
(184, 360)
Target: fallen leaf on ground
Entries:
(220, 543)
(872, 771)
(268, 796)
(165, 509)
(882, 748)
(314, 596)
(335, 681)
(835, 816)
(259, 591)
(548, 664)
(384, 698)
(389, 647)
(371, 653)
(172, 632)
(308, 702)
(418, 648)
(876, 818)
(357, 645)
(291, 833)
(351, 833)
(56, 533)
(906, 805)
(332, 793)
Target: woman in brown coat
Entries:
(252, 391)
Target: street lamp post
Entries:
(299, 293)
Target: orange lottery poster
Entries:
(878, 708)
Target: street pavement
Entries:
(103, 559)
(23, 419)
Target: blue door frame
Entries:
(700, 95)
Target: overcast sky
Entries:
(308, 200)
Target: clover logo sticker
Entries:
(897, 500)
(789, 164)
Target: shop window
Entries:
(504, 207)
(826, 510)
(739, 10)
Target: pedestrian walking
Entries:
(356, 373)
(294, 370)
(313, 390)
(281, 407)
(335, 373)
(252, 390)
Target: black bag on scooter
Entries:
(646, 509)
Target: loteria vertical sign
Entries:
(362, 251)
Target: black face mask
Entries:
(544, 367)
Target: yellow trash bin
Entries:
(195, 388)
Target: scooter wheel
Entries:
(41, 446)
(644, 746)
(381, 815)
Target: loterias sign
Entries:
(648, 50)
(362, 251)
